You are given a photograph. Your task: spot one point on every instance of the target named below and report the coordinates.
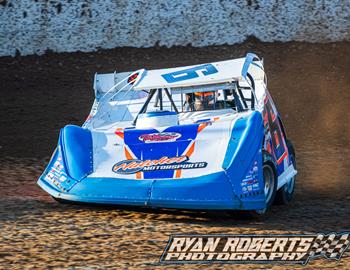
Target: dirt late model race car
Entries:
(197, 137)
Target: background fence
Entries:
(34, 26)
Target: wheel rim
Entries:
(268, 182)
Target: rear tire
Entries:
(270, 183)
(285, 194)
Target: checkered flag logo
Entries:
(330, 246)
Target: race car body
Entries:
(198, 137)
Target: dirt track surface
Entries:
(39, 95)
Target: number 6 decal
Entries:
(190, 73)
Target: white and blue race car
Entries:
(197, 137)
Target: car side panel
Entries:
(275, 141)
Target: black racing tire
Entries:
(270, 183)
(285, 194)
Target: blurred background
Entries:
(49, 53)
(34, 27)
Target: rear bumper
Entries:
(208, 192)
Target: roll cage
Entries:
(237, 88)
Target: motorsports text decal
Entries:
(254, 248)
(160, 137)
(165, 163)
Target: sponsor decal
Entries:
(165, 163)
(57, 172)
(255, 248)
(58, 176)
(250, 182)
(160, 137)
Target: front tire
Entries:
(270, 182)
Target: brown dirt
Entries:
(309, 83)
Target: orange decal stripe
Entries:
(190, 150)
(119, 132)
(282, 158)
(201, 127)
(268, 148)
(276, 139)
(129, 156)
(127, 153)
(188, 154)
(178, 173)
